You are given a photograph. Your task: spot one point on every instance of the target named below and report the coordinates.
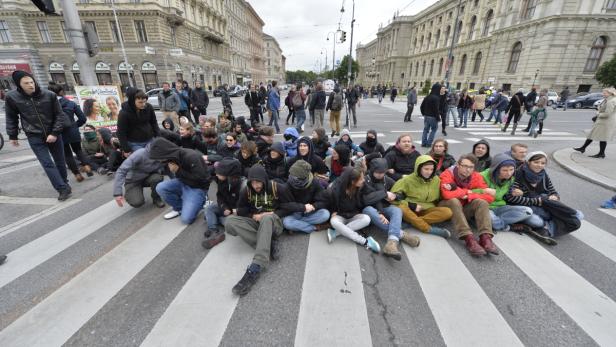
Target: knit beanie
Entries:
(535, 155)
(18, 75)
(300, 169)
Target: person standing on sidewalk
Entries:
(273, 105)
(43, 120)
(169, 102)
(352, 101)
(334, 105)
(199, 102)
(431, 110)
(411, 101)
(604, 128)
(564, 95)
(317, 105)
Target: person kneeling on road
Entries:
(135, 173)
(257, 224)
(467, 195)
(304, 202)
(229, 183)
(186, 192)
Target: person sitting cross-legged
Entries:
(303, 204)
(465, 192)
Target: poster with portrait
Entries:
(100, 104)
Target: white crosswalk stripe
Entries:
(333, 309)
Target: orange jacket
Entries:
(474, 191)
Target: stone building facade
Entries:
(256, 60)
(273, 60)
(238, 40)
(497, 43)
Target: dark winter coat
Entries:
(465, 103)
(318, 101)
(262, 147)
(403, 164)
(199, 98)
(375, 191)
(247, 163)
(516, 103)
(443, 162)
(276, 169)
(430, 106)
(251, 202)
(228, 191)
(294, 200)
(318, 165)
(373, 146)
(71, 134)
(252, 100)
(136, 125)
(193, 171)
(321, 146)
(340, 202)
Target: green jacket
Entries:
(416, 189)
(504, 187)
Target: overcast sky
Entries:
(301, 27)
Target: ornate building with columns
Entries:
(505, 44)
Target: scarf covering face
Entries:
(337, 168)
(531, 176)
(299, 183)
(463, 183)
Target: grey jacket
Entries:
(137, 167)
(171, 103)
(411, 97)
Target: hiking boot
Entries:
(79, 177)
(442, 232)
(248, 280)
(274, 249)
(209, 232)
(2, 259)
(372, 245)
(158, 202)
(213, 240)
(485, 241)
(513, 129)
(171, 214)
(391, 250)
(473, 247)
(65, 194)
(409, 239)
(542, 235)
(331, 235)
(322, 226)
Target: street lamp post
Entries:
(535, 79)
(350, 62)
(324, 49)
(453, 43)
(121, 37)
(333, 48)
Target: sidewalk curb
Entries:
(563, 158)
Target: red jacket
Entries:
(477, 184)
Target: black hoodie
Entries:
(228, 191)
(484, 162)
(193, 171)
(321, 145)
(251, 202)
(346, 206)
(294, 200)
(402, 163)
(430, 106)
(276, 169)
(247, 163)
(375, 191)
(136, 125)
(318, 165)
(371, 146)
(516, 103)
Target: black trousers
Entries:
(69, 149)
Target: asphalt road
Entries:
(86, 272)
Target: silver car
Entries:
(153, 97)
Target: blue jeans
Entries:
(214, 216)
(300, 115)
(305, 223)
(393, 215)
(54, 168)
(453, 112)
(189, 201)
(498, 116)
(136, 145)
(508, 214)
(430, 125)
(463, 115)
(274, 119)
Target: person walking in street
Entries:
(529, 105)
(252, 101)
(169, 103)
(431, 110)
(514, 108)
(226, 100)
(564, 96)
(262, 102)
(352, 102)
(334, 106)
(137, 124)
(604, 128)
(394, 94)
(411, 101)
(499, 105)
(380, 92)
(199, 102)
(299, 105)
(464, 107)
(257, 224)
(317, 105)
(538, 116)
(479, 104)
(42, 120)
(289, 104)
(273, 105)
(309, 96)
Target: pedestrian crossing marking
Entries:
(453, 293)
(610, 211)
(554, 133)
(333, 308)
(602, 241)
(61, 314)
(200, 312)
(7, 229)
(530, 138)
(590, 308)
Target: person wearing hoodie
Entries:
(137, 124)
(346, 205)
(257, 224)
(401, 157)
(42, 120)
(199, 101)
(264, 141)
(168, 125)
(228, 183)
(431, 110)
(378, 200)
(345, 139)
(275, 163)
(514, 108)
(418, 194)
(334, 106)
(411, 101)
(248, 156)
(338, 161)
(305, 152)
(371, 145)
(440, 153)
(500, 178)
(317, 105)
(303, 205)
(464, 191)
(290, 142)
(137, 172)
(169, 102)
(481, 150)
(320, 142)
(186, 193)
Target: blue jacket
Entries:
(71, 134)
(273, 99)
(184, 100)
(290, 147)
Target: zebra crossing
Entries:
(492, 132)
(334, 306)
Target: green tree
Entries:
(426, 87)
(606, 74)
(300, 76)
(343, 69)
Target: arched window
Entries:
(417, 69)
(471, 29)
(528, 9)
(440, 66)
(415, 45)
(463, 65)
(477, 64)
(437, 38)
(596, 52)
(515, 57)
(458, 33)
(428, 43)
(447, 33)
(421, 42)
(486, 24)
(431, 67)
(423, 68)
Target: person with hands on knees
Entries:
(385, 216)
(401, 157)
(228, 182)
(464, 191)
(303, 205)
(257, 223)
(186, 192)
(418, 194)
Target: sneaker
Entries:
(213, 240)
(372, 245)
(171, 214)
(391, 250)
(2, 259)
(409, 239)
(248, 280)
(158, 202)
(442, 232)
(65, 194)
(608, 204)
(331, 235)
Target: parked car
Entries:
(597, 103)
(584, 101)
(236, 91)
(216, 91)
(153, 97)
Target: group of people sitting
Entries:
(306, 184)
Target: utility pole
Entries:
(351, 46)
(129, 69)
(75, 32)
(453, 43)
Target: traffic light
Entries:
(45, 6)
(343, 36)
